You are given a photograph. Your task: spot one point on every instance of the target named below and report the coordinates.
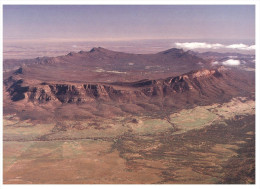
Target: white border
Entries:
(137, 2)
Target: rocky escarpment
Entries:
(196, 86)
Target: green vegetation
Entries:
(149, 126)
(193, 118)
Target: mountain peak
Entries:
(19, 71)
(99, 49)
(172, 51)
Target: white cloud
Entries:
(231, 62)
(215, 63)
(199, 45)
(241, 47)
(237, 46)
(252, 47)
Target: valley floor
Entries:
(206, 144)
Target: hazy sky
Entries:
(128, 22)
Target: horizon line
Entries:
(55, 40)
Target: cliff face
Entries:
(203, 85)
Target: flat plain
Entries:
(137, 149)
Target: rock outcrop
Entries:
(195, 86)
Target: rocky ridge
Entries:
(195, 86)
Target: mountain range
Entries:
(172, 78)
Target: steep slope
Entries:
(202, 86)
